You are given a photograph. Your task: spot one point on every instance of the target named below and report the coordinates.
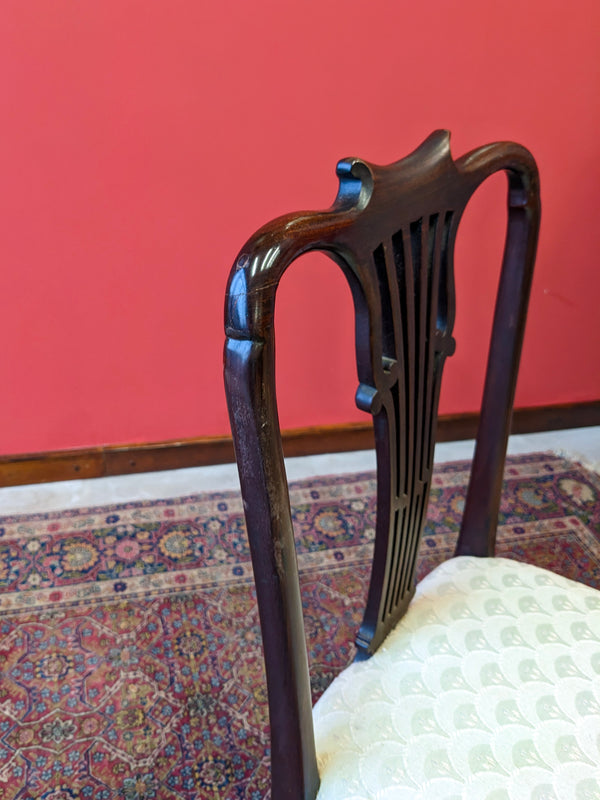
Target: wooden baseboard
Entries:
(124, 459)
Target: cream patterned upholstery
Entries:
(488, 689)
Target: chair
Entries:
(485, 682)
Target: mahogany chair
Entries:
(487, 683)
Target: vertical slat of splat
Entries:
(407, 291)
(387, 311)
(404, 386)
(403, 339)
(397, 440)
(418, 239)
(403, 259)
(443, 311)
(434, 250)
(418, 247)
(398, 390)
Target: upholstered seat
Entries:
(487, 689)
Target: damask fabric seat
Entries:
(487, 689)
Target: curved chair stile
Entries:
(250, 385)
(524, 212)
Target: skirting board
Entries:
(123, 459)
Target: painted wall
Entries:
(142, 141)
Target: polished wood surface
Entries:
(391, 230)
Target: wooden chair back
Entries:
(392, 231)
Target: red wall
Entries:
(142, 141)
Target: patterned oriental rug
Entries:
(130, 652)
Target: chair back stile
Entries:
(392, 231)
